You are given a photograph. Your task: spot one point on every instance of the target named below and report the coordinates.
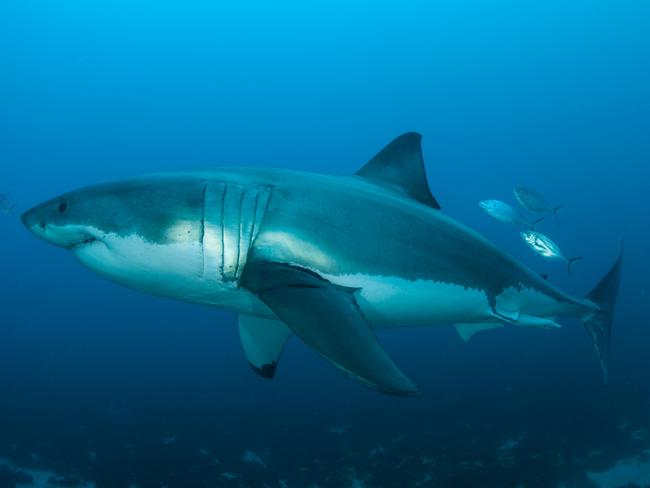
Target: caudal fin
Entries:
(599, 323)
(573, 260)
(533, 224)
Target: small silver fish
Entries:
(504, 212)
(6, 206)
(546, 248)
(534, 201)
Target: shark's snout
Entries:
(25, 219)
(33, 221)
(46, 221)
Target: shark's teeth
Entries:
(84, 242)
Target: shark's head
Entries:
(145, 233)
(65, 221)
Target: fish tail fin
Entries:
(533, 224)
(573, 260)
(555, 210)
(599, 322)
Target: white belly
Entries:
(389, 301)
(183, 271)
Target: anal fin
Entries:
(467, 330)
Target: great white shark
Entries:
(329, 258)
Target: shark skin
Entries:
(329, 258)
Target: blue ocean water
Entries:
(103, 386)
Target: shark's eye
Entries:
(63, 207)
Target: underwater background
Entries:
(103, 386)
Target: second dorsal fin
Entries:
(400, 165)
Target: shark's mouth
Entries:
(83, 242)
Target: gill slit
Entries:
(253, 229)
(241, 230)
(202, 229)
(223, 231)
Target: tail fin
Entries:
(533, 224)
(599, 324)
(555, 209)
(573, 260)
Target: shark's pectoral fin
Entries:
(327, 318)
(262, 341)
(467, 331)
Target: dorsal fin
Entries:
(400, 165)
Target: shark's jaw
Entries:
(71, 237)
(84, 242)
